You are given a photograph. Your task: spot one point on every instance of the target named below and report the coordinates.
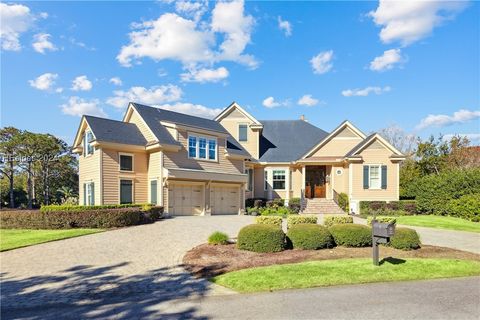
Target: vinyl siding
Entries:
(231, 122)
(297, 182)
(155, 173)
(173, 160)
(112, 177)
(136, 119)
(89, 171)
(340, 182)
(337, 147)
(346, 133)
(259, 183)
(375, 154)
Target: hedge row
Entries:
(309, 237)
(271, 220)
(381, 219)
(51, 208)
(93, 218)
(392, 208)
(294, 220)
(261, 238)
(329, 221)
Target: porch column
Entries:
(287, 186)
(303, 177)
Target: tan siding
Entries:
(112, 177)
(155, 173)
(297, 182)
(89, 171)
(259, 183)
(147, 133)
(231, 122)
(180, 159)
(340, 182)
(337, 147)
(380, 157)
(173, 132)
(346, 133)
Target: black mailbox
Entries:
(383, 230)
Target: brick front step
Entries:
(314, 206)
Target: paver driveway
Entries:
(130, 265)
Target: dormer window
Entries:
(243, 132)
(87, 144)
(202, 148)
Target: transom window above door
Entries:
(202, 148)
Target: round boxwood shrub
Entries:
(218, 238)
(309, 237)
(405, 239)
(261, 238)
(351, 235)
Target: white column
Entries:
(303, 177)
(287, 186)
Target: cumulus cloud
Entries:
(190, 41)
(205, 75)
(151, 96)
(15, 19)
(192, 9)
(41, 43)
(270, 102)
(44, 82)
(116, 81)
(78, 107)
(307, 100)
(322, 62)
(192, 109)
(365, 92)
(442, 120)
(81, 83)
(285, 26)
(410, 21)
(387, 61)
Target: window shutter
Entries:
(384, 177)
(365, 177)
(92, 192)
(84, 194)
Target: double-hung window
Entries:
(126, 162)
(374, 179)
(88, 194)
(242, 132)
(278, 179)
(88, 148)
(202, 148)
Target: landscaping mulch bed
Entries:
(208, 260)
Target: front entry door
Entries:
(315, 182)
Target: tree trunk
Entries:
(12, 198)
(29, 185)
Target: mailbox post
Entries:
(381, 233)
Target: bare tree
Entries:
(403, 141)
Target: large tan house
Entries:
(196, 166)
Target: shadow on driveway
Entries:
(97, 292)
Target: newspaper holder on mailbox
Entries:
(381, 233)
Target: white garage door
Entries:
(185, 200)
(225, 200)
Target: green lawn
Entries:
(17, 238)
(439, 222)
(343, 271)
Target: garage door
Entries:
(225, 200)
(185, 200)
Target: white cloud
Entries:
(42, 43)
(44, 82)
(81, 83)
(78, 107)
(410, 21)
(307, 100)
(193, 9)
(387, 61)
(15, 19)
(271, 103)
(205, 75)
(190, 41)
(365, 92)
(472, 137)
(152, 96)
(116, 81)
(285, 26)
(192, 109)
(321, 63)
(442, 120)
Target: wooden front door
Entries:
(315, 182)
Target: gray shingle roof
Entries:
(115, 131)
(359, 146)
(288, 140)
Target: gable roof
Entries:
(232, 106)
(365, 142)
(331, 135)
(107, 130)
(287, 140)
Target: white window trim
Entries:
(242, 124)
(120, 165)
(285, 179)
(120, 189)
(86, 144)
(88, 186)
(379, 176)
(197, 147)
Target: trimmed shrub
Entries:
(51, 208)
(309, 237)
(152, 213)
(466, 207)
(329, 221)
(261, 238)
(382, 220)
(294, 205)
(392, 208)
(405, 239)
(255, 202)
(275, 211)
(351, 235)
(272, 220)
(293, 220)
(98, 218)
(343, 202)
(217, 238)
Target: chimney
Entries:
(302, 117)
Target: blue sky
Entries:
(415, 65)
